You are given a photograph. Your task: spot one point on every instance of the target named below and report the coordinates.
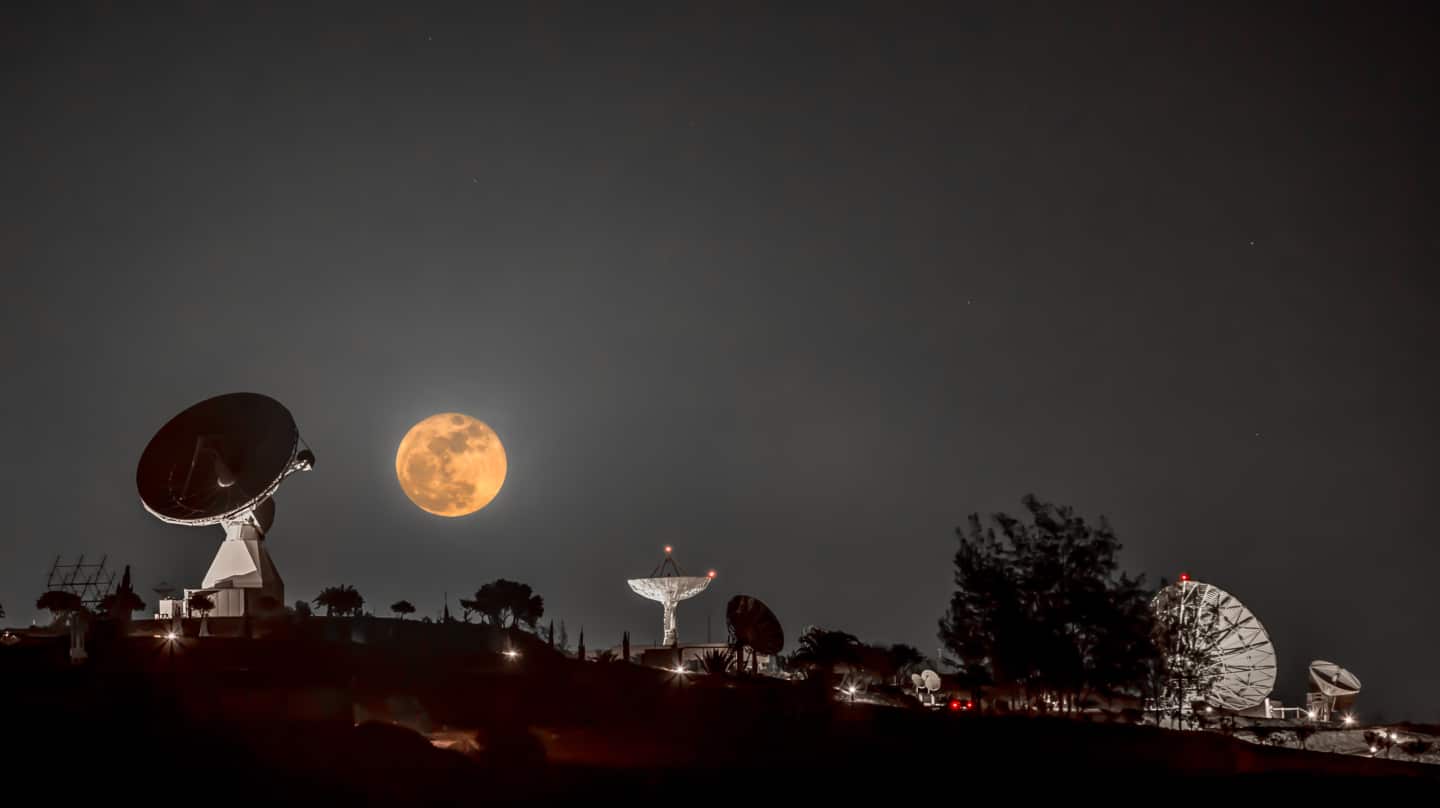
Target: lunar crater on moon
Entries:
(451, 464)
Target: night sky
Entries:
(795, 294)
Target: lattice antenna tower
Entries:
(90, 582)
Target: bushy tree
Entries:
(60, 603)
(1379, 741)
(200, 602)
(342, 600)
(1040, 602)
(1303, 734)
(302, 609)
(506, 604)
(1417, 747)
(904, 660)
(402, 608)
(121, 602)
(820, 651)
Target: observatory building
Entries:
(220, 462)
(668, 585)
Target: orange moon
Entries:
(451, 464)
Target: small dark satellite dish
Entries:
(753, 624)
(219, 458)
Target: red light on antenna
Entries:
(668, 548)
(1184, 576)
(710, 574)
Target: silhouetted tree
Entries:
(302, 609)
(402, 608)
(820, 651)
(1303, 733)
(1268, 735)
(625, 646)
(1186, 671)
(904, 660)
(343, 600)
(1417, 747)
(122, 602)
(716, 661)
(580, 652)
(1380, 741)
(60, 604)
(200, 602)
(551, 632)
(507, 604)
(1041, 604)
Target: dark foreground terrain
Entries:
(293, 720)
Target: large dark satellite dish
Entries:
(754, 625)
(219, 458)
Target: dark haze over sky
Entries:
(796, 294)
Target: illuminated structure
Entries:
(220, 462)
(667, 585)
(1332, 691)
(1217, 652)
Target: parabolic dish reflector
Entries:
(931, 680)
(1333, 680)
(672, 589)
(217, 459)
(1234, 651)
(753, 624)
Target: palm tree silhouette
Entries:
(343, 599)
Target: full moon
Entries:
(451, 464)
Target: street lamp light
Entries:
(511, 654)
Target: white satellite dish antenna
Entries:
(668, 586)
(930, 680)
(1332, 688)
(1227, 650)
(917, 681)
